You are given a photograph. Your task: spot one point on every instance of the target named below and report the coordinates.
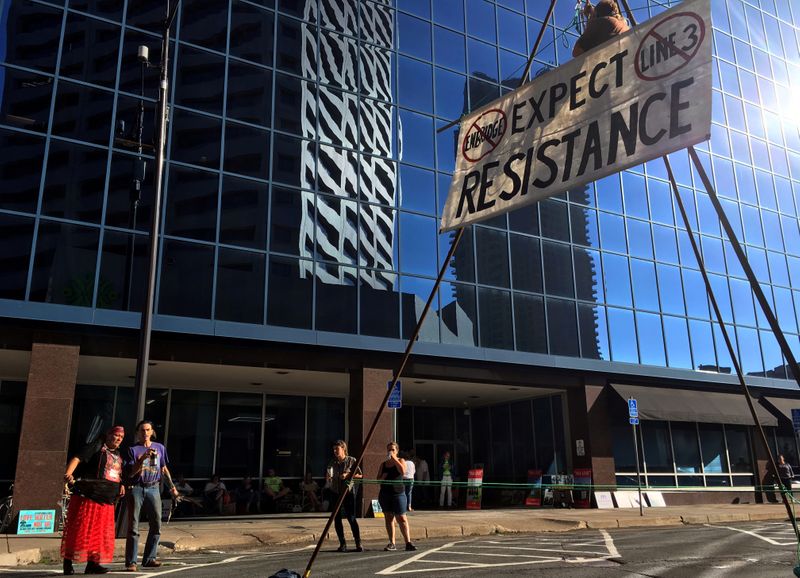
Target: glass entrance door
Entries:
(433, 453)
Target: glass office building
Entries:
(305, 177)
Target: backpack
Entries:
(284, 573)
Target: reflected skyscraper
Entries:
(356, 224)
(493, 261)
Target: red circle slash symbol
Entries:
(484, 135)
(669, 45)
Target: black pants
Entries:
(348, 510)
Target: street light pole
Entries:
(145, 331)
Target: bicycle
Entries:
(7, 511)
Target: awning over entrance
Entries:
(692, 405)
(783, 407)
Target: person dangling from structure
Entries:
(604, 21)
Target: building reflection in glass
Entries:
(335, 228)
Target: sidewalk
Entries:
(299, 529)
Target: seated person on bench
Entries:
(274, 492)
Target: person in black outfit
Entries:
(337, 475)
(89, 531)
(392, 496)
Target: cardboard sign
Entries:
(623, 499)
(474, 489)
(655, 499)
(534, 497)
(36, 522)
(637, 97)
(634, 497)
(604, 500)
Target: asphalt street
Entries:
(754, 549)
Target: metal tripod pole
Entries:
(728, 343)
(388, 393)
(411, 341)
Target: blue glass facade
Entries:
(305, 179)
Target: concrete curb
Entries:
(241, 537)
(542, 525)
(602, 524)
(765, 516)
(650, 522)
(21, 558)
(479, 530)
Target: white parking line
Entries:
(609, 542)
(531, 549)
(495, 554)
(755, 534)
(475, 554)
(414, 558)
(20, 570)
(193, 566)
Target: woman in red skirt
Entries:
(89, 533)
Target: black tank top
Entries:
(392, 473)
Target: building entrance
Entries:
(433, 453)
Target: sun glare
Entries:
(792, 113)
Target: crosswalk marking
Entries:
(474, 554)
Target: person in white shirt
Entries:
(408, 479)
(446, 471)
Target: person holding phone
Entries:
(392, 496)
(147, 465)
(338, 479)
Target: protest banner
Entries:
(637, 97)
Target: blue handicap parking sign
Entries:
(396, 397)
(633, 408)
(633, 420)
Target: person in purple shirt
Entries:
(147, 463)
